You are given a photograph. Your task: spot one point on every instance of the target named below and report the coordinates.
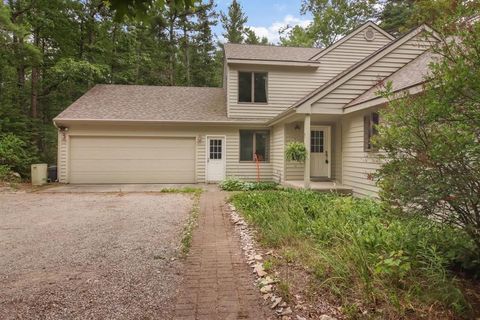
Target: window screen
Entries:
(370, 121)
(245, 87)
(260, 88)
(254, 142)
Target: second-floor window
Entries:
(252, 87)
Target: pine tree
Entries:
(234, 23)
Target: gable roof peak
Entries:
(351, 34)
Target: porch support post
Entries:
(306, 141)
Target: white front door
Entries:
(320, 151)
(215, 159)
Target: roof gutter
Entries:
(307, 64)
(56, 121)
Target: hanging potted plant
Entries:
(295, 151)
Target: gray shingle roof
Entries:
(268, 52)
(413, 73)
(148, 103)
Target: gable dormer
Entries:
(263, 80)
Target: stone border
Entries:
(264, 281)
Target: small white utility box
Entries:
(39, 174)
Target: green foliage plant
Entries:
(234, 184)
(15, 155)
(360, 251)
(430, 142)
(296, 151)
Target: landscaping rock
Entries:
(326, 317)
(276, 302)
(266, 289)
(258, 269)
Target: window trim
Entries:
(369, 131)
(254, 145)
(252, 89)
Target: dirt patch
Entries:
(108, 256)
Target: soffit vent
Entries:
(369, 34)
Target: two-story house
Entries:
(271, 95)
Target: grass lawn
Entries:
(370, 262)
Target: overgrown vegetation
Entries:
(16, 156)
(383, 264)
(192, 219)
(234, 184)
(182, 190)
(434, 137)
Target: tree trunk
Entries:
(171, 39)
(34, 80)
(187, 53)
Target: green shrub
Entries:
(14, 154)
(234, 184)
(360, 251)
(296, 151)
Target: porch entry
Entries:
(320, 161)
(215, 158)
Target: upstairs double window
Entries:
(252, 87)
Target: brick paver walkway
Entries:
(217, 284)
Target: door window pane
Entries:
(216, 149)
(245, 87)
(316, 141)
(260, 87)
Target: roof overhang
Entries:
(306, 64)
(65, 121)
(378, 101)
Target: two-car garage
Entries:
(103, 159)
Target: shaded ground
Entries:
(102, 256)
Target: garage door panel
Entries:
(147, 165)
(138, 142)
(132, 160)
(131, 153)
(139, 177)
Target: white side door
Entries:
(320, 151)
(215, 159)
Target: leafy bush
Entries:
(360, 251)
(7, 175)
(433, 139)
(233, 184)
(14, 154)
(296, 151)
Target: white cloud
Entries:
(272, 31)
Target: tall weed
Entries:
(359, 250)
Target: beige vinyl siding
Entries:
(62, 156)
(357, 164)
(337, 151)
(243, 170)
(277, 152)
(287, 85)
(334, 101)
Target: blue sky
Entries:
(266, 17)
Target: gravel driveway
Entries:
(90, 256)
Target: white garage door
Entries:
(132, 160)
